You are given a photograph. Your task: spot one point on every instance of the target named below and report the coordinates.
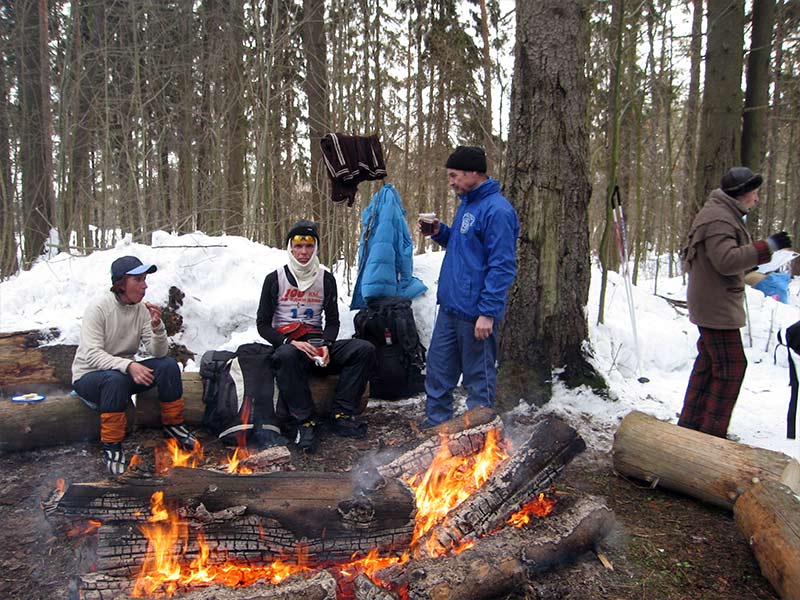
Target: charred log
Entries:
(464, 435)
(327, 512)
(319, 586)
(497, 564)
(712, 469)
(531, 470)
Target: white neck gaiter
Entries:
(304, 274)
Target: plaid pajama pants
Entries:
(715, 381)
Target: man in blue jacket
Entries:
(479, 266)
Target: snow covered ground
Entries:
(222, 277)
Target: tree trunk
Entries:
(720, 123)
(547, 181)
(756, 99)
(316, 87)
(692, 113)
(236, 121)
(36, 161)
(768, 514)
(712, 469)
(8, 243)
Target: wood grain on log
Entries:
(712, 469)
(24, 361)
(768, 514)
(495, 565)
(531, 469)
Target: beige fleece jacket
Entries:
(111, 335)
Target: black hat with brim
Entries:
(740, 180)
(129, 265)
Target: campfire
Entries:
(326, 535)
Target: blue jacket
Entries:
(385, 252)
(480, 261)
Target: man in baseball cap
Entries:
(105, 371)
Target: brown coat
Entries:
(719, 253)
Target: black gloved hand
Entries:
(779, 240)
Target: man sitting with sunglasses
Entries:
(294, 300)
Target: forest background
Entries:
(120, 116)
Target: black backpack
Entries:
(234, 385)
(389, 324)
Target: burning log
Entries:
(768, 514)
(531, 470)
(327, 512)
(464, 435)
(697, 464)
(319, 586)
(495, 565)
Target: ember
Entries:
(61, 485)
(538, 507)
(83, 529)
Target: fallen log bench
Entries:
(703, 466)
(762, 487)
(28, 365)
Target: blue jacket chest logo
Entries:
(467, 221)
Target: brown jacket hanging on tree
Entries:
(351, 159)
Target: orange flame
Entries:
(449, 481)
(164, 572)
(171, 456)
(61, 485)
(538, 507)
(233, 461)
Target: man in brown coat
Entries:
(719, 253)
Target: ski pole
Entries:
(622, 238)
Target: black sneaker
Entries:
(304, 438)
(181, 435)
(346, 426)
(114, 457)
(268, 438)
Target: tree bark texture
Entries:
(316, 88)
(756, 98)
(706, 467)
(548, 183)
(755, 118)
(721, 117)
(36, 161)
(768, 514)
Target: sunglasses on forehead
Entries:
(304, 239)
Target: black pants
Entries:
(353, 360)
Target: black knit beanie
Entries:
(467, 158)
(303, 227)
